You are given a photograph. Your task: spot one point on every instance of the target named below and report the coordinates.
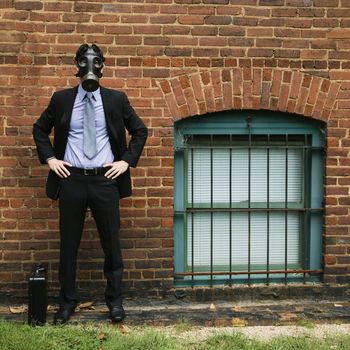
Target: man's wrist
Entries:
(47, 160)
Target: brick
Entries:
(295, 85)
(173, 9)
(260, 52)
(209, 99)
(282, 32)
(260, 32)
(293, 43)
(271, 2)
(191, 102)
(240, 42)
(212, 41)
(216, 83)
(177, 90)
(338, 13)
(284, 12)
(67, 28)
(250, 22)
(268, 42)
(177, 52)
(105, 18)
(163, 19)
(49, 17)
(325, 3)
(181, 41)
(145, 8)
(247, 95)
(134, 19)
(176, 30)
(197, 87)
(285, 53)
(218, 20)
(265, 95)
(87, 7)
(311, 12)
(230, 31)
(339, 34)
(271, 22)
(71, 17)
(191, 20)
(301, 101)
(6, 4)
(276, 83)
(203, 52)
(28, 5)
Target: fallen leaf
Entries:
(52, 308)
(18, 309)
(237, 308)
(102, 336)
(86, 305)
(287, 316)
(338, 305)
(124, 329)
(299, 309)
(238, 322)
(212, 307)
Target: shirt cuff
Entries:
(50, 159)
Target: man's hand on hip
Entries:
(117, 168)
(59, 167)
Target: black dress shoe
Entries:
(116, 313)
(63, 314)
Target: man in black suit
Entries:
(89, 167)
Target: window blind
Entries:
(275, 179)
(200, 240)
(280, 160)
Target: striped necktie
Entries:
(89, 134)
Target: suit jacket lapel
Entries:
(108, 109)
(107, 101)
(68, 105)
(107, 104)
(68, 108)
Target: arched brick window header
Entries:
(250, 88)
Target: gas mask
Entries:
(90, 65)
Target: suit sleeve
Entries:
(138, 132)
(41, 131)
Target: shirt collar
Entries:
(82, 93)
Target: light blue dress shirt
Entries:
(74, 151)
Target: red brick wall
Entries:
(174, 58)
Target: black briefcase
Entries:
(37, 296)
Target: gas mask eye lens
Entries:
(82, 62)
(98, 62)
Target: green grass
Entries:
(303, 322)
(14, 336)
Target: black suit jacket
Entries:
(119, 116)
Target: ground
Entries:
(172, 311)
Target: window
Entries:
(248, 198)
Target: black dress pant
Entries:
(77, 193)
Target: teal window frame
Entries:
(260, 123)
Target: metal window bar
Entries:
(230, 213)
(192, 213)
(286, 212)
(305, 210)
(306, 201)
(268, 212)
(211, 205)
(249, 193)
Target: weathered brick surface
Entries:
(174, 59)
